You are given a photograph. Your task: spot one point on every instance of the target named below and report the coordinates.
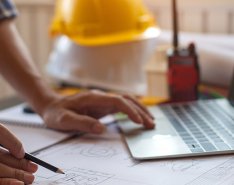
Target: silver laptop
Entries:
(204, 127)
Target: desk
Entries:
(105, 160)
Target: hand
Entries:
(14, 170)
(81, 112)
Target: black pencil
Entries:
(43, 163)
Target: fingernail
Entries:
(151, 121)
(152, 116)
(29, 178)
(153, 125)
(32, 167)
(98, 129)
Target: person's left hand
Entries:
(81, 112)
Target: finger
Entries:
(22, 164)
(143, 108)
(11, 143)
(70, 121)
(8, 181)
(126, 107)
(8, 172)
(112, 103)
(147, 120)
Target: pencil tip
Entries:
(60, 171)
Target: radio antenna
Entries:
(175, 25)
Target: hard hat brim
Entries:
(152, 32)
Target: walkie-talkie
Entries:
(183, 69)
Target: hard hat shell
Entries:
(116, 67)
(98, 22)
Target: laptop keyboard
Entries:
(203, 126)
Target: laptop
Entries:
(203, 127)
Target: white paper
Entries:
(105, 160)
(35, 139)
(15, 115)
(31, 130)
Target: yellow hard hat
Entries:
(98, 22)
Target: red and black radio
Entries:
(183, 68)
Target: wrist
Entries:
(43, 100)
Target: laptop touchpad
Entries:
(162, 127)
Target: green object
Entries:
(120, 117)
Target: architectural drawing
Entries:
(181, 166)
(96, 151)
(80, 176)
(217, 175)
(93, 161)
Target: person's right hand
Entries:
(81, 112)
(14, 170)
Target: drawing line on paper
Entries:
(80, 176)
(130, 162)
(93, 151)
(101, 151)
(215, 175)
(181, 166)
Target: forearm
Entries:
(17, 68)
(74, 113)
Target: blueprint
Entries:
(105, 160)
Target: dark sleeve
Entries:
(7, 9)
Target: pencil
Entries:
(43, 163)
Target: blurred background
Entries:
(200, 16)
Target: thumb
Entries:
(71, 121)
